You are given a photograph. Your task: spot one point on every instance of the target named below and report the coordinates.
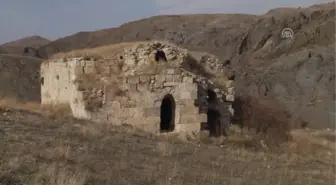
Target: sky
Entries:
(53, 19)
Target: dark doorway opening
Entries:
(160, 55)
(167, 114)
(213, 115)
(214, 123)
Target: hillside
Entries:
(24, 46)
(299, 73)
(39, 149)
(19, 77)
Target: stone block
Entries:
(90, 63)
(198, 118)
(79, 70)
(144, 79)
(186, 103)
(194, 94)
(202, 117)
(153, 111)
(113, 107)
(153, 120)
(228, 83)
(123, 87)
(187, 79)
(135, 121)
(170, 71)
(77, 63)
(130, 103)
(158, 85)
(230, 90)
(123, 113)
(133, 79)
(160, 78)
(142, 87)
(193, 110)
(112, 120)
(83, 63)
(106, 70)
(136, 112)
(186, 95)
(186, 119)
(229, 98)
(169, 78)
(188, 86)
(110, 88)
(170, 84)
(152, 126)
(110, 95)
(89, 69)
(177, 78)
(121, 80)
(133, 88)
(114, 69)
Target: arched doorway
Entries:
(167, 114)
(213, 115)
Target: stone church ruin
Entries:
(154, 86)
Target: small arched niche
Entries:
(160, 56)
(167, 114)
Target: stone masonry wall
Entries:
(122, 90)
(58, 84)
(137, 101)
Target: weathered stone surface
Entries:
(160, 78)
(170, 84)
(135, 97)
(79, 70)
(144, 79)
(193, 110)
(133, 88)
(154, 111)
(186, 119)
(133, 79)
(89, 69)
(187, 79)
(170, 71)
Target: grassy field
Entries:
(39, 148)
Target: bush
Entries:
(268, 118)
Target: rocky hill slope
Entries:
(25, 46)
(19, 77)
(298, 72)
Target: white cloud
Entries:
(228, 6)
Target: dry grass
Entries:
(36, 107)
(38, 150)
(267, 118)
(15, 103)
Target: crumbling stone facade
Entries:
(156, 87)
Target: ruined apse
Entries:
(153, 86)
